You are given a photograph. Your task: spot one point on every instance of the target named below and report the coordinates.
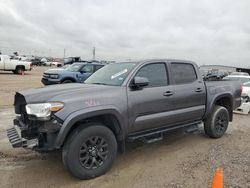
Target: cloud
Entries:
(206, 31)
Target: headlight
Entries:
(55, 76)
(43, 110)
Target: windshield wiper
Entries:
(99, 83)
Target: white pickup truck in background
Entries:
(14, 65)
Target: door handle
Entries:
(198, 90)
(168, 93)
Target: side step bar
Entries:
(153, 138)
(14, 138)
(190, 127)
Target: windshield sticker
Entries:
(119, 74)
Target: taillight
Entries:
(241, 88)
(31, 65)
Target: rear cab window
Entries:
(97, 67)
(183, 73)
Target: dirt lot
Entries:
(9, 83)
(180, 160)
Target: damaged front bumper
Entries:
(15, 139)
(40, 138)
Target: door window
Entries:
(156, 74)
(183, 73)
(88, 69)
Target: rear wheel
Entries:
(89, 152)
(19, 70)
(216, 124)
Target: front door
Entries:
(148, 105)
(85, 72)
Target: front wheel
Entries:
(89, 152)
(67, 81)
(216, 124)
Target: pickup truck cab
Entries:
(77, 72)
(120, 103)
(16, 66)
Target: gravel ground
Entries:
(180, 160)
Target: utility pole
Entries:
(94, 53)
(64, 52)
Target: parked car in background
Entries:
(36, 62)
(246, 88)
(47, 63)
(246, 92)
(77, 72)
(15, 65)
(215, 76)
(245, 95)
(71, 60)
(56, 63)
(240, 73)
(241, 78)
(44, 61)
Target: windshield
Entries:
(112, 74)
(73, 68)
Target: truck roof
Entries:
(155, 60)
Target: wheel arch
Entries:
(225, 100)
(20, 66)
(108, 117)
(68, 78)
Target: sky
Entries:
(204, 31)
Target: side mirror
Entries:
(139, 82)
(83, 71)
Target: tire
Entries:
(67, 81)
(19, 70)
(216, 124)
(80, 156)
(14, 72)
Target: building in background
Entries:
(222, 68)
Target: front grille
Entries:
(45, 75)
(24, 116)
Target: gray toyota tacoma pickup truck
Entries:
(119, 103)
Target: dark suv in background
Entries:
(77, 72)
(71, 60)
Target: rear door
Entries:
(189, 93)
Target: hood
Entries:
(52, 70)
(76, 96)
(58, 71)
(60, 92)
